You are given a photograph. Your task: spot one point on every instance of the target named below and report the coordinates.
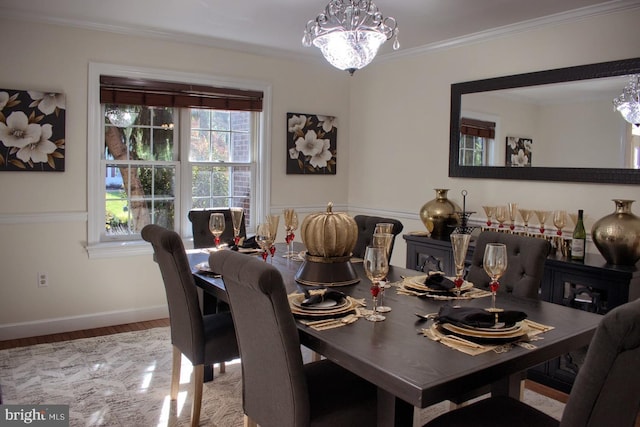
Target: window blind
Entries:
(153, 93)
(473, 127)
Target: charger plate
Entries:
(416, 283)
(328, 304)
(295, 301)
(508, 333)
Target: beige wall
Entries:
(43, 216)
(393, 150)
(400, 121)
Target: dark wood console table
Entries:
(590, 285)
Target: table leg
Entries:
(393, 411)
(508, 386)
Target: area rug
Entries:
(124, 380)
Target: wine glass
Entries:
(273, 221)
(236, 219)
(264, 239)
(489, 211)
(290, 225)
(460, 245)
(383, 240)
(216, 226)
(495, 264)
(525, 214)
(559, 220)
(542, 218)
(376, 267)
(501, 215)
(513, 211)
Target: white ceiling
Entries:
(276, 26)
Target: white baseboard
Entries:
(76, 323)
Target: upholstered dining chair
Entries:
(525, 263)
(606, 391)
(278, 389)
(204, 340)
(366, 227)
(202, 237)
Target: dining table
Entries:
(410, 370)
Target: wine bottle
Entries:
(579, 239)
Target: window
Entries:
(162, 143)
(476, 137)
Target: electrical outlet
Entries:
(43, 280)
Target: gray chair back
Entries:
(185, 317)
(366, 227)
(606, 391)
(274, 383)
(202, 237)
(525, 264)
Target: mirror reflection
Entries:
(571, 124)
(554, 125)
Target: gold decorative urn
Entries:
(617, 235)
(329, 238)
(440, 215)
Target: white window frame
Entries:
(95, 131)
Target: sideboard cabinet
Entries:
(591, 285)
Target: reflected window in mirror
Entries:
(477, 142)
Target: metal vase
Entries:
(617, 235)
(440, 215)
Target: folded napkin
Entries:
(438, 282)
(319, 297)
(477, 317)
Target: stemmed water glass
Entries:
(495, 264)
(236, 219)
(264, 239)
(383, 240)
(513, 211)
(273, 221)
(290, 225)
(216, 226)
(559, 220)
(460, 245)
(376, 267)
(542, 218)
(489, 211)
(501, 215)
(525, 214)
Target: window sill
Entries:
(123, 249)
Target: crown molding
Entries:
(519, 27)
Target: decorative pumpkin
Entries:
(329, 234)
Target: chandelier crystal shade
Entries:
(628, 103)
(349, 33)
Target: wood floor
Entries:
(87, 333)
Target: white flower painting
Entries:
(32, 131)
(311, 144)
(519, 151)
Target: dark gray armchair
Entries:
(202, 237)
(204, 340)
(606, 391)
(366, 226)
(525, 264)
(278, 389)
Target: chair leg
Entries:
(248, 422)
(198, 379)
(223, 368)
(175, 372)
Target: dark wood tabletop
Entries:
(408, 368)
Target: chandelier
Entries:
(628, 103)
(349, 33)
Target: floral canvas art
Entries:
(519, 151)
(311, 144)
(32, 131)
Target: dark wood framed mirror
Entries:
(579, 80)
